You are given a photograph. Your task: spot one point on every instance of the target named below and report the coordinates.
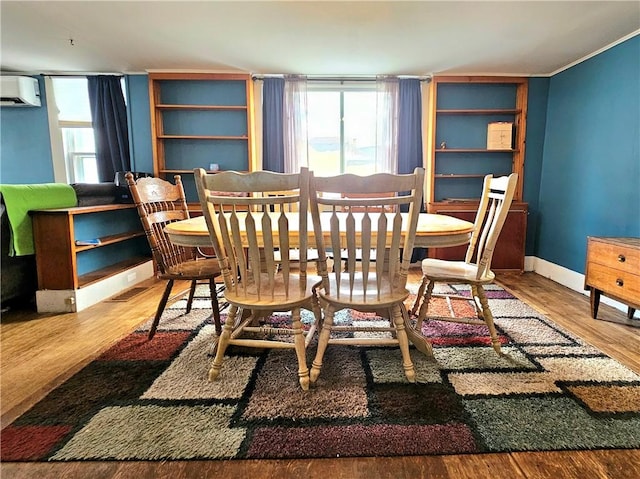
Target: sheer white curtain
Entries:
(296, 144)
(387, 124)
(257, 125)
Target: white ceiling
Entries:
(309, 37)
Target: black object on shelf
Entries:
(123, 195)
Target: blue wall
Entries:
(25, 148)
(590, 175)
(139, 125)
(534, 148)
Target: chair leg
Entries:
(299, 345)
(215, 306)
(416, 303)
(192, 292)
(403, 342)
(160, 310)
(425, 305)
(323, 341)
(474, 295)
(223, 342)
(316, 308)
(488, 319)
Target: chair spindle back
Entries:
(246, 230)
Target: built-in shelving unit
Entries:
(65, 268)
(200, 119)
(458, 157)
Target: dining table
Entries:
(433, 231)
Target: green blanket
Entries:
(20, 199)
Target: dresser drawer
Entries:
(617, 256)
(620, 284)
(613, 269)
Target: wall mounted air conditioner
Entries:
(19, 91)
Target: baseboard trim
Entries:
(74, 300)
(568, 278)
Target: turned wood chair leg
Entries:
(416, 303)
(403, 342)
(215, 306)
(299, 346)
(422, 314)
(323, 341)
(488, 319)
(223, 342)
(160, 310)
(474, 295)
(192, 293)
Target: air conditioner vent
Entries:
(19, 91)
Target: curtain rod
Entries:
(345, 78)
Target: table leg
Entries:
(595, 302)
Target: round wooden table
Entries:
(433, 231)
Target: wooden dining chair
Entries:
(369, 230)
(245, 233)
(159, 203)
(349, 194)
(475, 270)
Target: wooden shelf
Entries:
(111, 239)
(453, 176)
(479, 112)
(200, 137)
(100, 274)
(201, 107)
(473, 150)
(81, 210)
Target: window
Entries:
(341, 121)
(72, 138)
(73, 122)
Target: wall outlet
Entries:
(131, 277)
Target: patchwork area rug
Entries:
(144, 400)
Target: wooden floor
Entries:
(39, 351)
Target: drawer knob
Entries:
(621, 258)
(619, 282)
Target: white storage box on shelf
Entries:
(500, 135)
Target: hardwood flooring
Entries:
(40, 351)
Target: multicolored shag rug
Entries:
(144, 400)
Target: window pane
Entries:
(85, 168)
(360, 132)
(342, 130)
(79, 148)
(72, 99)
(324, 132)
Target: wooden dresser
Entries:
(613, 269)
